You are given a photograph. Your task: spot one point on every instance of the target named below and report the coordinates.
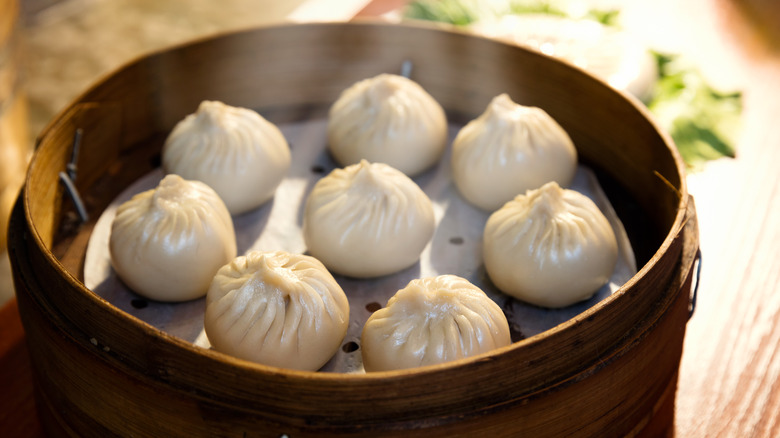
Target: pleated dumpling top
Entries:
(387, 119)
(507, 150)
(551, 247)
(234, 150)
(277, 308)
(367, 220)
(431, 321)
(167, 243)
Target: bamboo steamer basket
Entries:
(610, 371)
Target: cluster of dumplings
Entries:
(542, 243)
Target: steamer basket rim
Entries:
(62, 117)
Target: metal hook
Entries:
(69, 177)
(696, 282)
(406, 69)
(72, 166)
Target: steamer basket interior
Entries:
(609, 369)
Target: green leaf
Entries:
(454, 12)
(609, 17)
(518, 7)
(702, 122)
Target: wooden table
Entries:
(18, 417)
(730, 372)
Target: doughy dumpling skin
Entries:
(276, 308)
(236, 151)
(551, 247)
(507, 150)
(430, 321)
(167, 243)
(387, 119)
(367, 220)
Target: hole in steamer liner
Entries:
(349, 347)
(139, 303)
(373, 307)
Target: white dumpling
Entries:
(387, 119)
(509, 149)
(551, 247)
(167, 243)
(276, 308)
(431, 321)
(236, 151)
(367, 220)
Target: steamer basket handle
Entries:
(696, 281)
(692, 254)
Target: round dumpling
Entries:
(236, 151)
(367, 220)
(551, 247)
(430, 321)
(276, 308)
(167, 243)
(387, 119)
(507, 150)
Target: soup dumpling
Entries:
(551, 247)
(388, 119)
(433, 320)
(278, 309)
(507, 150)
(167, 243)
(367, 220)
(234, 150)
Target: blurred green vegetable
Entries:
(702, 122)
(457, 12)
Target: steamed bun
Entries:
(367, 220)
(507, 150)
(388, 119)
(551, 247)
(431, 321)
(167, 243)
(236, 151)
(276, 308)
